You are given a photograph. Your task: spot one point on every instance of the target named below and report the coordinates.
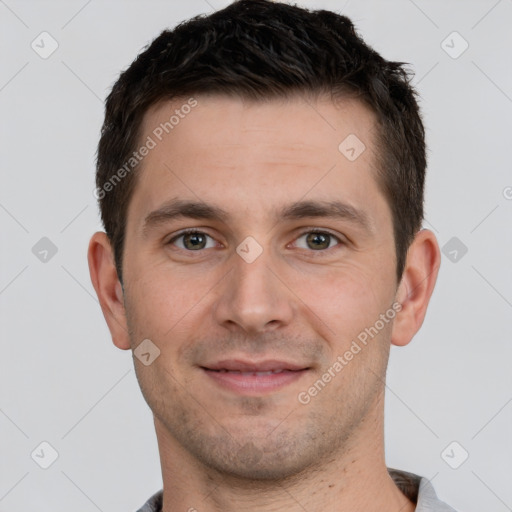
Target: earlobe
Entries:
(108, 288)
(416, 286)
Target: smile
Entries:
(270, 372)
(250, 378)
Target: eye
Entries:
(192, 240)
(319, 240)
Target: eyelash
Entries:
(308, 231)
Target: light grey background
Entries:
(62, 380)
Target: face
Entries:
(289, 259)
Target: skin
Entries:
(220, 450)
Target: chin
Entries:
(253, 466)
(270, 458)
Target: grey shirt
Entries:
(418, 489)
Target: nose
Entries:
(254, 296)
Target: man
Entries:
(260, 176)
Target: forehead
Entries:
(292, 121)
(254, 154)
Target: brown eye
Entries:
(318, 240)
(192, 241)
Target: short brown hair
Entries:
(259, 49)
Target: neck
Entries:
(354, 477)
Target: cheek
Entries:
(151, 307)
(347, 299)
(165, 305)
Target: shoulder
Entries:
(154, 504)
(419, 490)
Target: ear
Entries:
(108, 288)
(416, 286)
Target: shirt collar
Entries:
(416, 488)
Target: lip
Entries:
(254, 378)
(254, 366)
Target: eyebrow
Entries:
(184, 208)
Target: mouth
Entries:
(250, 378)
